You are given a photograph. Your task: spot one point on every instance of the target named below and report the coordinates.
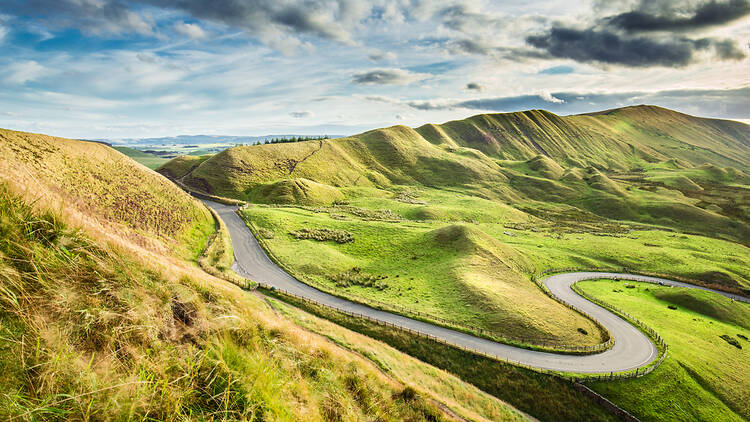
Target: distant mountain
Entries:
(198, 139)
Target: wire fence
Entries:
(638, 372)
(527, 343)
(575, 377)
(568, 376)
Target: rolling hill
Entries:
(105, 316)
(644, 164)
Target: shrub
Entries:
(742, 337)
(355, 276)
(409, 197)
(265, 233)
(323, 235)
(380, 215)
(672, 307)
(731, 341)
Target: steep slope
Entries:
(464, 152)
(396, 155)
(100, 320)
(628, 164)
(103, 187)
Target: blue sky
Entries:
(116, 68)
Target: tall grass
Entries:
(87, 333)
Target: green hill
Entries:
(643, 163)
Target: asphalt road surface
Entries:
(632, 349)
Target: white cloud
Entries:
(19, 73)
(3, 33)
(546, 96)
(190, 30)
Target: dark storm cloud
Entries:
(473, 86)
(604, 46)
(710, 13)
(108, 16)
(322, 18)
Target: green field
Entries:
(704, 377)
(474, 267)
(149, 160)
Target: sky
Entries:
(146, 68)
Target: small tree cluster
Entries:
(291, 139)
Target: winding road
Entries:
(632, 349)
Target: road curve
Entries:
(632, 349)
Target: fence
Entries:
(638, 372)
(525, 343)
(573, 377)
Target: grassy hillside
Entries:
(101, 321)
(91, 334)
(702, 365)
(451, 220)
(517, 192)
(103, 187)
(644, 164)
(180, 166)
(467, 260)
(149, 160)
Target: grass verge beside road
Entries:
(705, 377)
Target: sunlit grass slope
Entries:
(102, 185)
(89, 333)
(704, 377)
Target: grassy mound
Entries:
(599, 181)
(573, 175)
(546, 167)
(295, 191)
(453, 271)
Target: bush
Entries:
(672, 307)
(355, 276)
(323, 235)
(731, 341)
(379, 215)
(265, 233)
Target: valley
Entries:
(435, 234)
